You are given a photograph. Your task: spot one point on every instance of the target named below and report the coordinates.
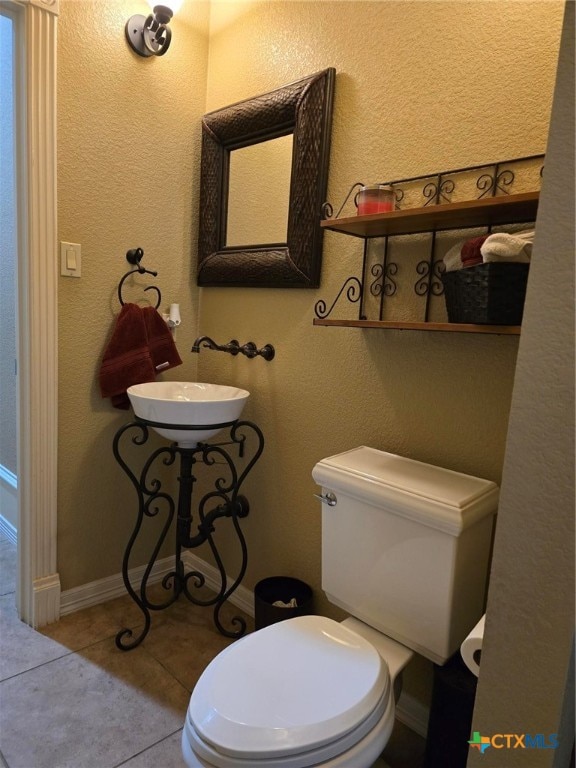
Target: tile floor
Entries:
(70, 699)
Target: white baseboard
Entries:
(45, 606)
(242, 597)
(413, 714)
(46, 591)
(8, 504)
(101, 590)
(8, 530)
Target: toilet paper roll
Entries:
(471, 648)
(175, 314)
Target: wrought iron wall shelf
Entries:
(488, 211)
(509, 330)
(494, 206)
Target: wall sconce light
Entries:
(151, 35)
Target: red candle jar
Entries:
(377, 198)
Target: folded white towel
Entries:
(503, 246)
(453, 258)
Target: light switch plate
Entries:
(70, 259)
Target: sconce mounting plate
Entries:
(142, 39)
(134, 34)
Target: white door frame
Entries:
(38, 591)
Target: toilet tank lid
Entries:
(440, 498)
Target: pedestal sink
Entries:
(187, 412)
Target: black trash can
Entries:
(450, 721)
(282, 589)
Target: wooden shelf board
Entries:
(505, 209)
(509, 330)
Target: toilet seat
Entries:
(295, 694)
(363, 753)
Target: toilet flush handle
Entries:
(327, 498)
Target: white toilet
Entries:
(405, 550)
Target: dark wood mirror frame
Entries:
(303, 108)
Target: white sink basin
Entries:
(190, 404)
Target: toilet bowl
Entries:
(405, 551)
(309, 691)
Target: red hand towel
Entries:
(160, 342)
(133, 353)
(127, 358)
(470, 253)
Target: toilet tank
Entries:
(406, 546)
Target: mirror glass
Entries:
(259, 192)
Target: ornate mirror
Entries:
(263, 183)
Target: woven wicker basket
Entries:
(487, 294)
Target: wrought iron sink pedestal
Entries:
(224, 501)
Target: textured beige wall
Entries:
(420, 87)
(128, 165)
(531, 602)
